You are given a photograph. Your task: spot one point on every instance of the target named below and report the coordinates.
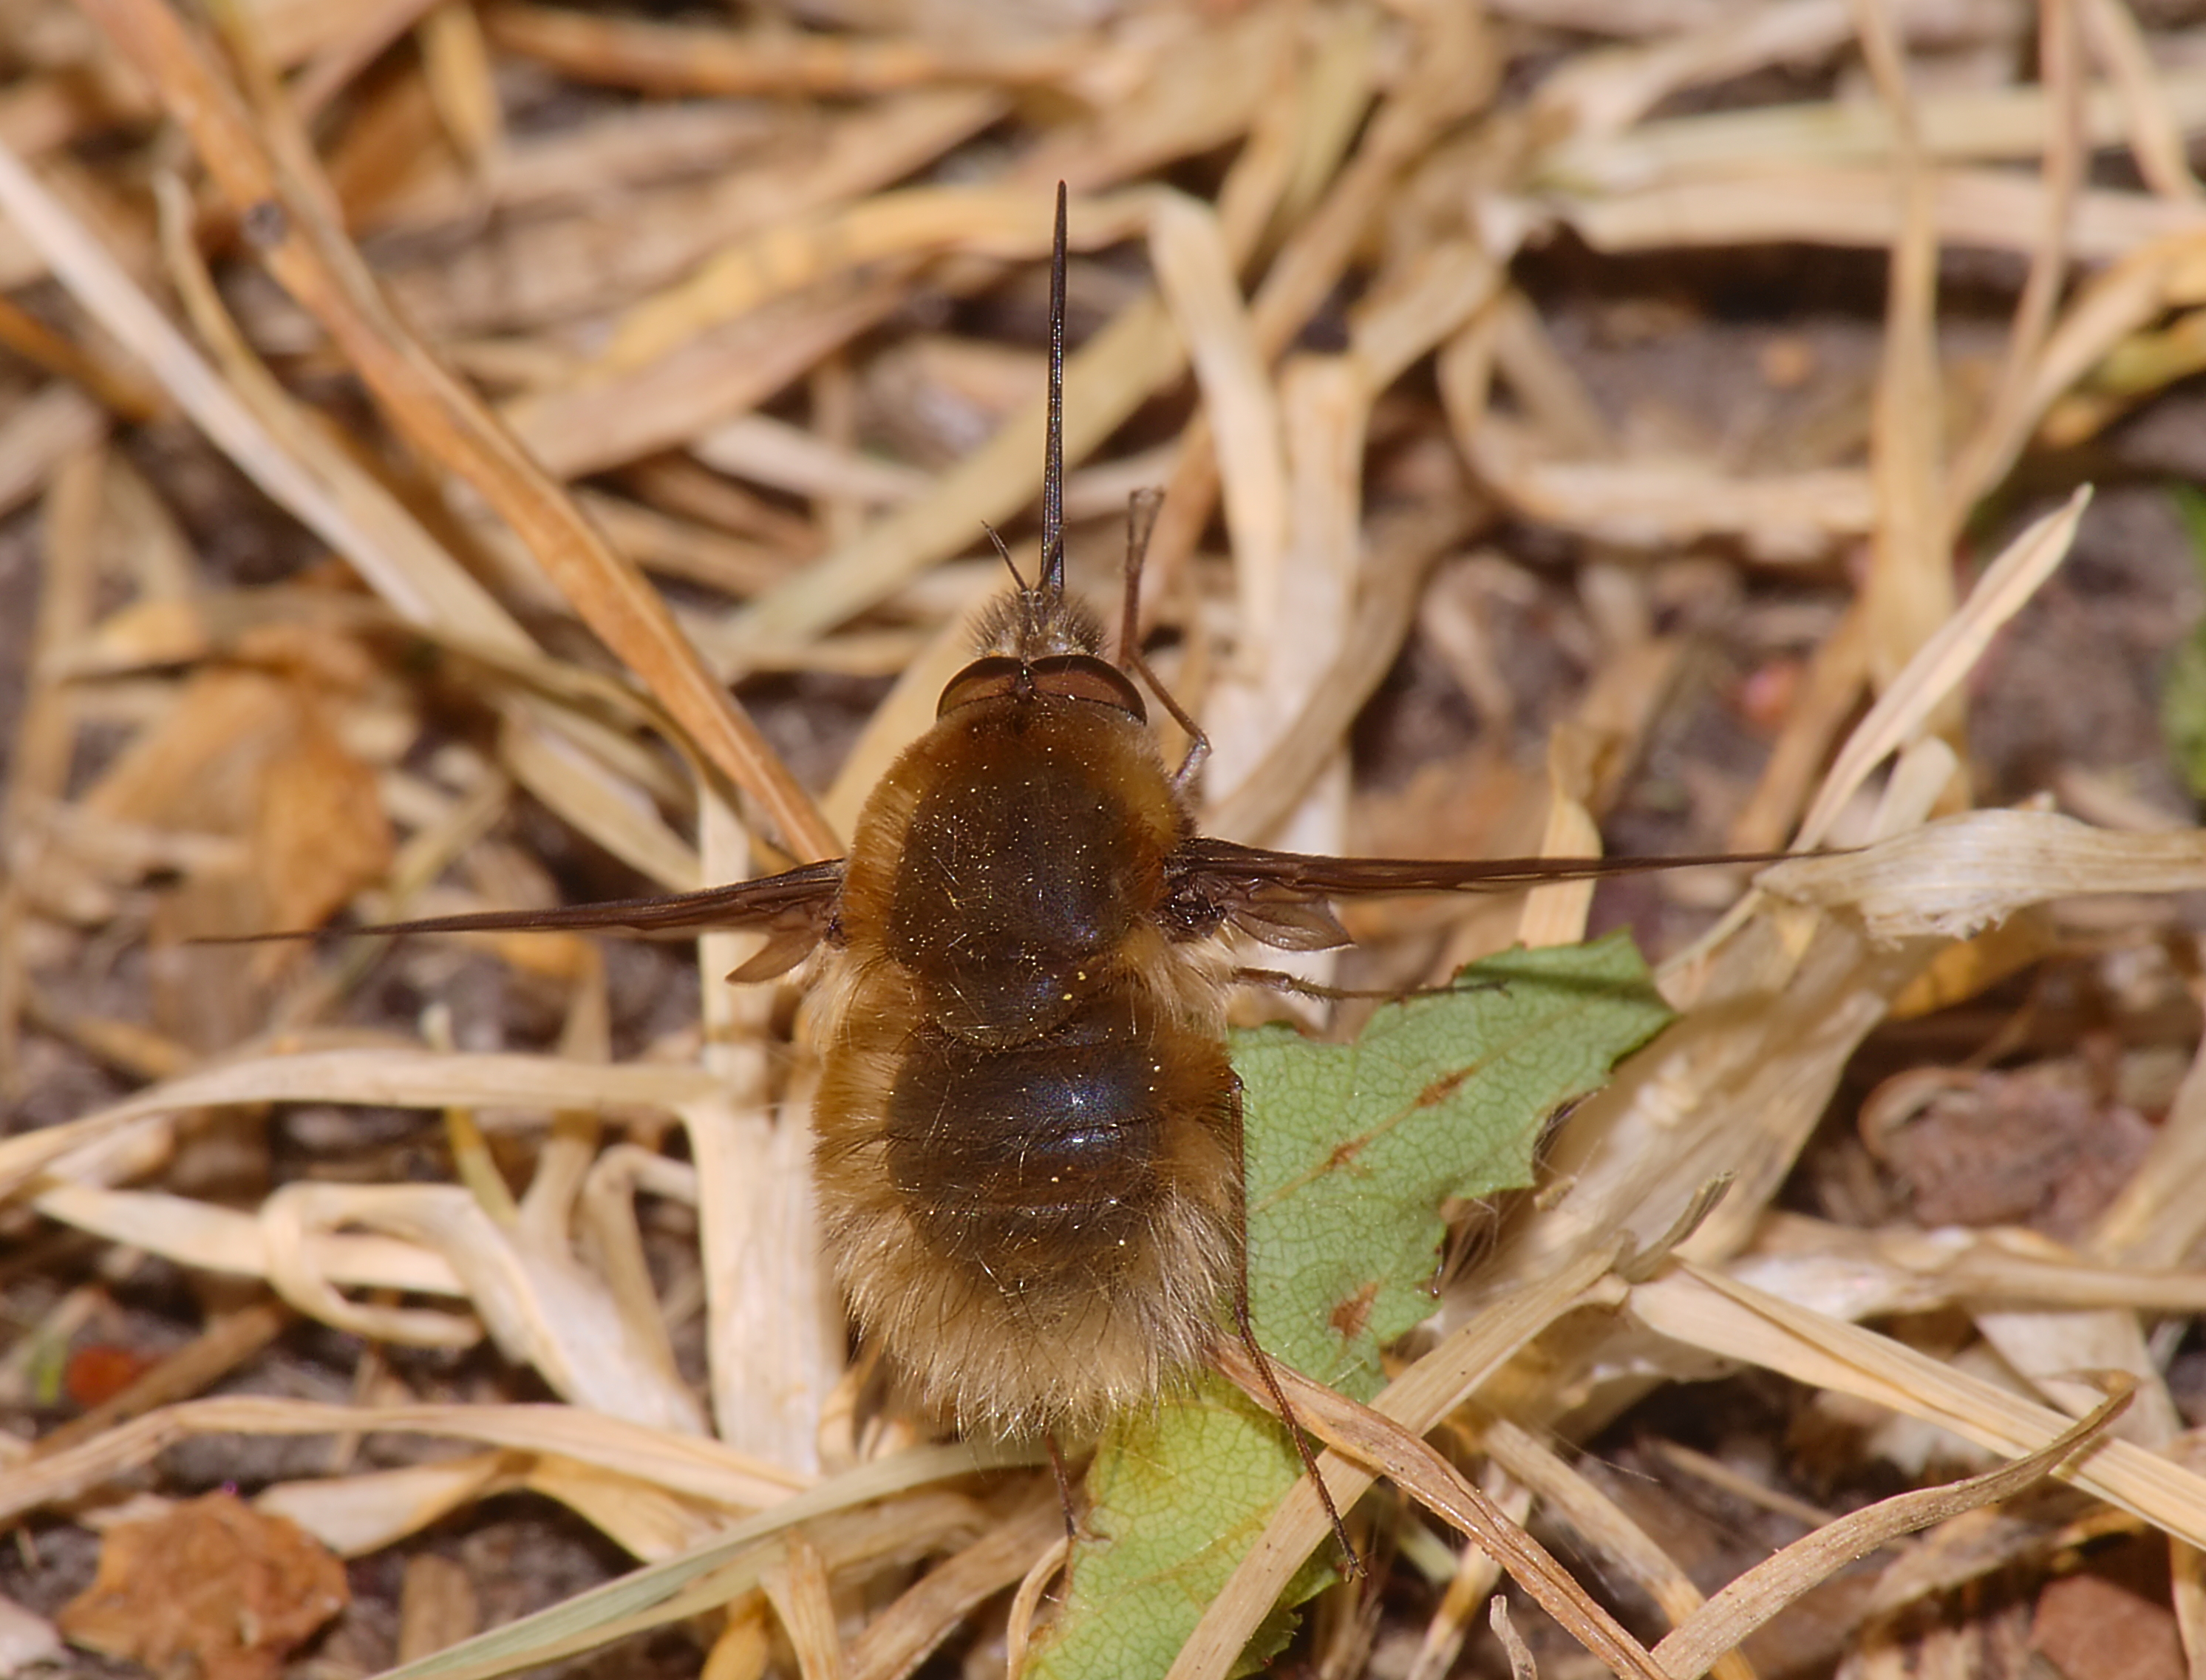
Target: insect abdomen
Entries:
(1038, 1160)
(1041, 1235)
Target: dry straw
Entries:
(1300, 278)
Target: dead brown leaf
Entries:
(212, 1586)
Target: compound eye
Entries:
(991, 678)
(1082, 676)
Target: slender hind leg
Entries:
(1064, 1487)
(1262, 1361)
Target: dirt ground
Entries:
(1578, 419)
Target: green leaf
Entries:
(2183, 687)
(2190, 507)
(2183, 712)
(1352, 1151)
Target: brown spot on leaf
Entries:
(1442, 1088)
(1344, 1153)
(1350, 1316)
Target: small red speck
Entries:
(100, 1371)
(1765, 699)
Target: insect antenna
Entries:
(1003, 553)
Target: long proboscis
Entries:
(1052, 462)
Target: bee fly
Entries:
(1029, 1134)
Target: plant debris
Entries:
(213, 1586)
(486, 454)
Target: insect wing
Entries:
(1280, 897)
(793, 909)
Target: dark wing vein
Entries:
(790, 900)
(1211, 882)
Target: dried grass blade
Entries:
(1705, 1309)
(596, 801)
(776, 1332)
(1603, 95)
(1419, 305)
(1454, 69)
(45, 730)
(1002, 222)
(357, 1515)
(56, 422)
(226, 1240)
(1910, 590)
(1944, 660)
(1195, 273)
(675, 58)
(427, 574)
(1419, 1399)
(1404, 551)
(1373, 1439)
(2157, 1219)
(109, 294)
(797, 1588)
(403, 1078)
(713, 1574)
(1987, 124)
(606, 1222)
(1836, 673)
(1953, 879)
(1605, 1527)
(446, 421)
(900, 1638)
(1105, 380)
(686, 1464)
(1984, 208)
(1990, 449)
(538, 1303)
(574, 429)
(2147, 99)
(774, 453)
(1752, 1598)
(1781, 518)
(457, 65)
(118, 389)
(371, 26)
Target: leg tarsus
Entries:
(1278, 980)
(1350, 1559)
(1064, 1487)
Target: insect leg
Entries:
(1141, 520)
(1142, 508)
(1263, 1364)
(1064, 1487)
(1247, 1331)
(1278, 980)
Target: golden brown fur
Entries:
(1125, 1288)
